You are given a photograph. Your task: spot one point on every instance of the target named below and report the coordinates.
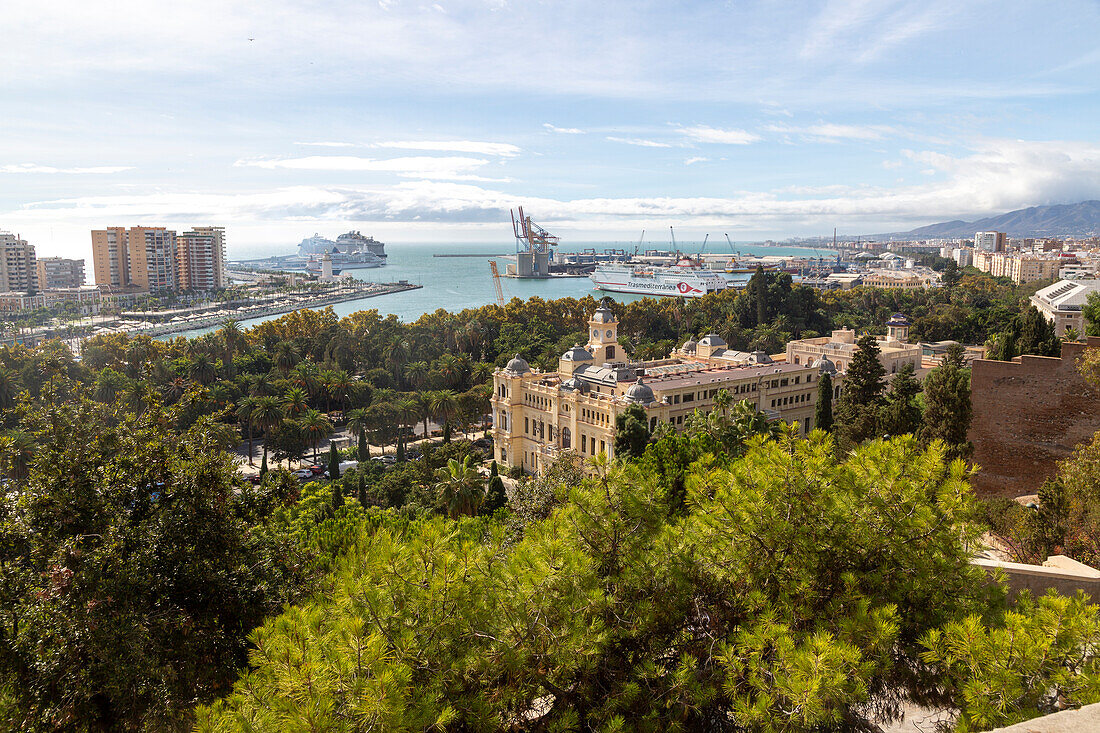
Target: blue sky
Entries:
(426, 121)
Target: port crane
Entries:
(496, 282)
(530, 237)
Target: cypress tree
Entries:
(337, 496)
(823, 411)
(364, 449)
(447, 432)
(493, 470)
(761, 293)
(947, 408)
(361, 490)
(263, 465)
(333, 462)
(495, 496)
(400, 451)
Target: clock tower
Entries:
(603, 337)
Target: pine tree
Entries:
(333, 462)
(947, 408)
(495, 496)
(901, 414)
(823, 411)
(858, 406)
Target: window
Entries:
(689, 397)
(526, 425)
(610, 351)
(584, 443)
(675, 399)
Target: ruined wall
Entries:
(1028, 415)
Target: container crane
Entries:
(496, 282)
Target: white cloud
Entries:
(639, 142)
(704, 134)
(329, 144)
(455, 146)
(422, 166)
(832, 132)
(36, 168)
(563, 130)
(695, 159)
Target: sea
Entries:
(453, 283)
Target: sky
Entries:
(428, 121)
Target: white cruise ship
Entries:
(686, 279)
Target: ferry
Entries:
(686, 279)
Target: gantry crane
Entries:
(496, 282)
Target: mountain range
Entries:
(1036, 221)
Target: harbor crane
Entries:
(496, 282)
(534, 247)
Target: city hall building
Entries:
(538, 415)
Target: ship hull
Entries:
(673, 285)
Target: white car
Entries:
(303, 473)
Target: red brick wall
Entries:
(1028, 415)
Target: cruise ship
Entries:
(686, 279)
(347, 244)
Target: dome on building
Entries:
(759, 357)
(603, 315)
(640, 393)
(898, 319)
(577, 353)
(518, 365)
(571, 384)
(824, 366)
(712, 339)
(689, 346)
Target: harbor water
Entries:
(453, 283)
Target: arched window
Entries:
(565, 438)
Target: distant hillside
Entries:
(1037, 221)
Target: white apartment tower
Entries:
(17, 264)
(990, 241)
(200, 257)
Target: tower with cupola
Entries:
(603, 337)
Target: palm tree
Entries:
(416, 374)
(409, 410)
(267, 415)
(458, 487)
(203, 369)
(358, 422)
(10, 387)
(450, 368)
(316, 425)
(339, 386)
(245, 407)
(444, 406)
(286, 356)
(295, 402)
(232, 338)
(307, 377)
(175, 388)
(424, 405)
(259, 385)
(481, 372)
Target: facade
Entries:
(900, 282)
(59, 272)
(155, 259)
(840, 348)
(87, 300)
(1029, 414)
(200, 256)
(539, 415)
(963, 256)
(990, 241)
(1020, 268)
(111, 257)
(1061, 303)
(153, 265)
(17, 268)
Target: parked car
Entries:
(315, 469)
(304, 473)
(348, 465)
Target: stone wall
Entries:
(1060, 573)
(1029, 414)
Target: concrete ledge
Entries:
(1059, 572)
(1066, 721)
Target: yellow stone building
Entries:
(840, 348)
(538, 415)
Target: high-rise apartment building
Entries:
(17, 269)
(60, 272)
(990, 241)
(155, 258)
(202, 260)
(111, 257)
(200, 257)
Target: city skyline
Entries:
(426, 122)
